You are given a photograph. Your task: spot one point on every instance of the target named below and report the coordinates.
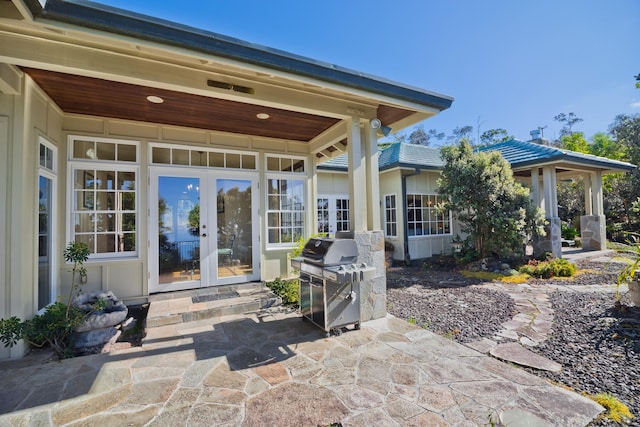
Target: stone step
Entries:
(187, 306)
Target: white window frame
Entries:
(51, 174)
(104, 165)
(387, 221)
(423, 221)
(202, 151)
(290, 176)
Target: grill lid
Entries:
(326, 251)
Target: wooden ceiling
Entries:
(104, 98)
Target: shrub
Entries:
(568, 232)
(54, 327)
(288, 290)
(556, 267)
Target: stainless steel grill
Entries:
(330, 280)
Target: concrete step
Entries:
(187, 306)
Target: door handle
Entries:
(204, 234)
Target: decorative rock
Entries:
(514, 352)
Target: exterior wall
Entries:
(333, 183)
(26, 117)
(127, 278)
(391, 184)
(23, 119)
(427, 246)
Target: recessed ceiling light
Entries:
(155, 99)
(262, 116)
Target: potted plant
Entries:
(57, 324)
(630, 273)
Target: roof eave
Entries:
(112, 20)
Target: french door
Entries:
(203, 229)
(333, 214)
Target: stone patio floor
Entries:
(270, 368)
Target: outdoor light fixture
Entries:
(377, 124)
(155, 99)
(262, 116)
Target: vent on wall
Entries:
(229, 86)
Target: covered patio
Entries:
(541, 167)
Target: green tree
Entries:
(575, 142)
(492, 207)
(494, 136)
(567, 120)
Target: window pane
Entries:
(180, 157)
(105, 222)
(273, 163)
(286, 165)
(161, 155)
(129, 222)
(298, 165)
(84, 150)
(233, 161)
(128, 201)
(127, 153)
(88, 240)
(129, 242)
(126, 180)
(106, 151)
(198, 158)
(105, 180)
(105, 201)
(105, 243)
(248, 162)
(216, 160)
(83, 223)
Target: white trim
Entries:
(430, 235)
(72, 138)
(386, 219)
(50, 174)
(196, 148)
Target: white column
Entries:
(550, 192)
(588, 198)
(535, 186)
(370, 140)
(598, 204)
(357, 177)
(312, 212)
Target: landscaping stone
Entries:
(516, 353)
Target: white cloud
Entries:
(635, 104)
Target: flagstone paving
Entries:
(270, 368)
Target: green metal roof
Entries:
(395, 155)
(96, 16)
(519, 154)
(522, 154)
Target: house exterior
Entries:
(183, 158)
(409, 195)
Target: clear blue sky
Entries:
(508, 64)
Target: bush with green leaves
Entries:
(56, 325)
(490, 205)
(288, 290)
(556, 267)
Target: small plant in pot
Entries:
(57, 324)
(630, 274)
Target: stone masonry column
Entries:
(552, 242)
(364, 195)
(593, 231)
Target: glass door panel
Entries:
(44, 243)
(235, 243)
(178, 231)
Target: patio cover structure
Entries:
(541, 167)
(77, 71)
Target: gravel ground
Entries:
(596, 340)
